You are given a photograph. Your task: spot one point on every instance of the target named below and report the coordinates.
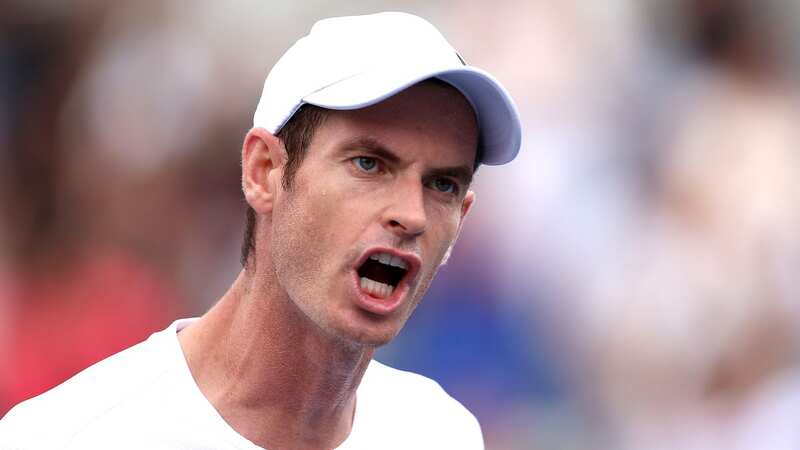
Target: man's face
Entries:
(374, 208)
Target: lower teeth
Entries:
(376, 288)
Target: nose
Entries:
(405, 216)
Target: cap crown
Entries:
(341, 47)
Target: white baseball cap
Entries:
(357, 61)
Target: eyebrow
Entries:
(373, 146)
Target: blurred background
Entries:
(630, 281)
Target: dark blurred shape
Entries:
(739, 34)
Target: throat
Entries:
(269, 384)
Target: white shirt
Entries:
(145, 398)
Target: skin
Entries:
(282, 353)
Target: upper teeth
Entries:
(391, 260)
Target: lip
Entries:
(388, 305)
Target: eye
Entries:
(444, 185)
(366, 164)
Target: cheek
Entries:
(445, 223)
(308, 235)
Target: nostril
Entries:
(394, 223)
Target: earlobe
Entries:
(466, 205)
(262, 161)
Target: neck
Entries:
(271, 373)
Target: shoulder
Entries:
(52, 419)
(425, 409)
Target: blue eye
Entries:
(366, 164)
(444, 185)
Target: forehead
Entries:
(431, 121)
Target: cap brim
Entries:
(498, 120)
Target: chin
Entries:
(371, 341)
(369, 331)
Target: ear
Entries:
(466, 205)
(263, 157)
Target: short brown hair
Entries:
(296, 136)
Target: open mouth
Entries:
(381, 273)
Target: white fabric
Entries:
(357, 61)
(145, 398)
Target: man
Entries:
(357, 175)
